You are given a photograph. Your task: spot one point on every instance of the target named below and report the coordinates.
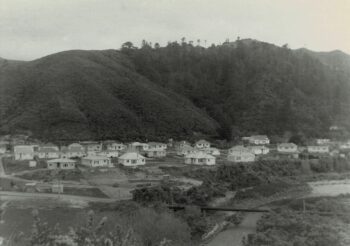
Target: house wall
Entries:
(66, 166)
(24, 156)
(241, 158)
(130, 162)
(287, 150)
(96, 163)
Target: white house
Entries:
(345, 146)
(322, 141)
(76, 147)
(61, 164)
(318, 149)
(3, 148)
(92, 146)
(157, 145)
(114, 146)
(132, 159)
(212, 151)
(181, 144)
(200, 158)
(108, 153)
(202, 144)
(24, 152)
(243, 156)
(287, 148)
(259, 150)
(155, 152)
(72, 152)
(238, 149)
(48, 153)
(50, 146)
(139, 146)
(96, 161)
(259, 140)
(186, 150)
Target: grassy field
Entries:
(50, 175)
(14, 166)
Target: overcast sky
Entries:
(31, 29)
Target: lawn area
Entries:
(50, 175)
(14, 166)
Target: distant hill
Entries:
(336, 59)
(180, 90)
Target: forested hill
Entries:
(181, 90)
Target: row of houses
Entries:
(128, 159)
(109, 149)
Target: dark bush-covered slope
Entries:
(251, 86)
(177, 90)
(92, 94)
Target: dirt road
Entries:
(234, 235)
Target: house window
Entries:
(133, 161)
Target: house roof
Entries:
(259, 137)
(202, 141)
(242, 153)
(74, 149)
(154, 149)
(138, 144)
(131, 156)
(155, 143)
(287, 145)
(258, 147)
(75, 145)
(200, 155)
(47, 150)
(187, 147)
(24, 149)
(61, 160)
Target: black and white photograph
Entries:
(174, 123)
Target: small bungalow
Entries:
(238, 149)
(156, 145)
(186, 150)
(181, 144)
(244, 156)
(76, 147)
(318, 149)
(322, 141)
(155, 152)
(114, 146)
(48, 153)
(96, 161)
(61, 164)
(139, 146)
(24, 152)
(259, 150)
(212, 151)
(49, 145)
(72, 152)
(345, 146)
(200, 158)
(92, 146)
(132, 159)
(258, 140)
(287, 148)
(3, 148)
(202, 144)
(108, 153)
